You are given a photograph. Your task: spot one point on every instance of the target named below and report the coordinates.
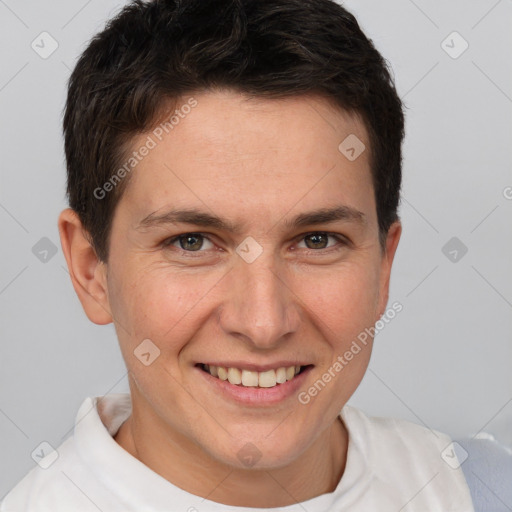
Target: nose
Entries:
(259, 306)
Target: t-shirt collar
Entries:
(140, 488)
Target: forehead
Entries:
(229, 151)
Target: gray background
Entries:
(444, 361)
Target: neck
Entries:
(180, 461)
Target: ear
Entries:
(88, 273)
(392, 239)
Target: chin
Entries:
(257, 452)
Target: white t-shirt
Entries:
(392, 465)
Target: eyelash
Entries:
(342, 242)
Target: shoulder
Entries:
(406, 436)
(58, 481)
(409, 459)
(44, 483)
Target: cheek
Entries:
(168, 306)
(344, 305)
(159, 304)
(344, 301)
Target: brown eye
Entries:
(316, 241)
(189, 242)
(193, 242)
(320, 240)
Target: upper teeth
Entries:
(248, 378)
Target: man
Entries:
(234, 173)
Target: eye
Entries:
(315, 241)
(320, 240)
(189, 242)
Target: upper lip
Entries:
(245, 365)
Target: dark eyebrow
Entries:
(207, 220)
(326, 215)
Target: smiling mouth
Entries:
(252, 379)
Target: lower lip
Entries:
(256, 396)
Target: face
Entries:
(252, 278)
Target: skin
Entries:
(257, 162)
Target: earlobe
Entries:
(88, 273)
(392, 240)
